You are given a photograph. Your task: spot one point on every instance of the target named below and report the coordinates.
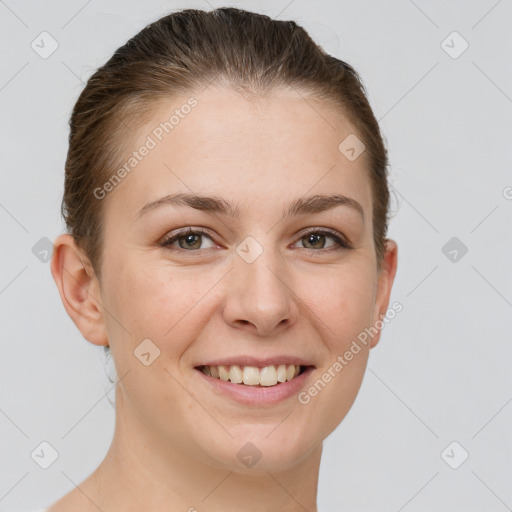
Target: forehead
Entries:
(265, 148)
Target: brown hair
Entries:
(190, 48)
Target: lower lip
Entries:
(255, 395)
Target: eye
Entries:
(190, 240)
(316, 238)
(187, 240)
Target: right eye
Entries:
(188, 240)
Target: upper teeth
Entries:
(252, 375)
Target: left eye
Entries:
(314, 238)
(191, 239)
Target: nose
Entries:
(258, 298)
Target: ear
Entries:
(79, 289)
(385, 280)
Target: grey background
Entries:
(441, 371)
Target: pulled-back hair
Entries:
(184, 50)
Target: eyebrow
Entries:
(217, 205)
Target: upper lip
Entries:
(246, 360)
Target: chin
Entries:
(260, 448)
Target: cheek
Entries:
(332, 395)
(150, 302)
(343, 303)
(159, 302)
(343, 307)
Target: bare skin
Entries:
(176, 441)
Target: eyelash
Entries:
(342, 243)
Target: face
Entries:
(249, 284)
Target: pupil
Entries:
(314, 239)
(189, 240)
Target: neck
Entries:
(143, 471)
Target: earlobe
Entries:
(79, 289)
(385, 281)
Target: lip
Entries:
(255, 395)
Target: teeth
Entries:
(268, 376)
(235, 374)
(223, 373)
(281, 373)
(252, 375)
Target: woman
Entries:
(226, 201)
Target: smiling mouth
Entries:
(254, 376)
